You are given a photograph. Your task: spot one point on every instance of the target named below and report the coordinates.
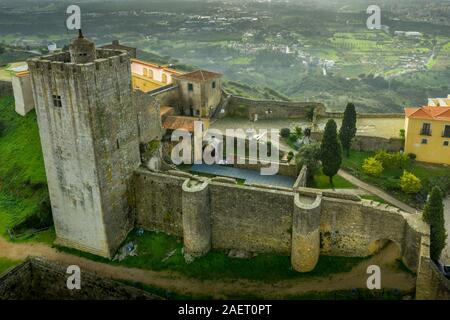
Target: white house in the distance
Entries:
(439, 102)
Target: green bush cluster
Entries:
(372, 167)
(409, 183)
(397, 160)
(285, 132)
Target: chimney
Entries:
(115, 42)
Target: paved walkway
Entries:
(446, 253)
(376, 191)
(250, 176)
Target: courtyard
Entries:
(378, 127)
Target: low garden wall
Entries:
(6, 88)
(339, 115)
(302, 178)
(269, 109)
(284, 169)
(369, 143)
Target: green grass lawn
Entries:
(373, 198)
(46, 237)
(23, 186)
(321, 181)
(6, 264)
(154, 254)
(389, 179)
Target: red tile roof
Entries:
(199, 75)
(430, 113)
(181, 122)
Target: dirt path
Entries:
(220, 289)
(376, 191)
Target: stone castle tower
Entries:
(90, 141)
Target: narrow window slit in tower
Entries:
(57, 101)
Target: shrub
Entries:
(443, 182)
(372, 167)
(433, 214)
(412, 156)
(39, 219)
(402, 133)
(298, 132)
(384, 157)
(399, 160)
(310, 113)
(290, 156)
(309, 156)
(392, 184)
(307, 132)
(409, 183)
(393, 160)
(285, 132)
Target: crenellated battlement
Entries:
(60, 62)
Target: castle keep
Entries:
(104, 179)
(89, 132)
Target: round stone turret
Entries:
(305, 233)
(196, 218)
(82, 50)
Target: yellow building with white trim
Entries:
(427, 133)
(147, 76)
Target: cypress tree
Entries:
(348, 128)
(433, 214)
(330, 151)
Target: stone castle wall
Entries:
(168, 96)
(284, 169)
(431, 283)
(340, 115)
(369, 143)
(269, 109)
(267, 220)
(6, 88)
(149, 118)
(38, 279)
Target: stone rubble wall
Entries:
(6, 88)
(269, 109)
(39, 279)
(369, 143)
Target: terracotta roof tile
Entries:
(181, 122)
(428, 112)
(199, 75)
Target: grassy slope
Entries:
(6, 264)
(158, 251)
(322, 182)
(22, 175)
